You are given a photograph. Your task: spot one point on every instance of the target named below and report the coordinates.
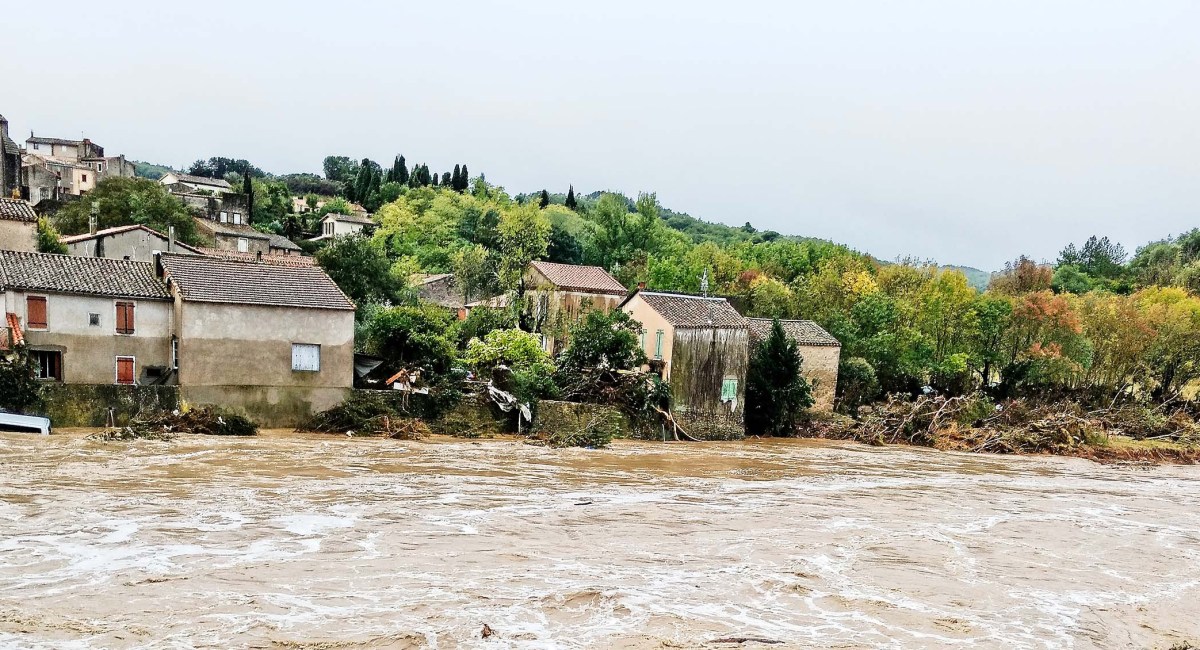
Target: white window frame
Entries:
(236, 218)
(117, 370)
(175, 353)
(224, 218)
(300, 364)
(243, 245)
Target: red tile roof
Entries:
(202, 278)
(15, 336)
(687, 311)
(585, 279)
(95, 276)
(278, 260)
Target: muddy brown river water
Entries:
(305, 541)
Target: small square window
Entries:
(306, 357)
(94, 320)
(729, 389)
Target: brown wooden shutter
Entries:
(35, 312)
(124, 370)
(125, 318)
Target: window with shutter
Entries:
(658, 344)
(306, 357)
(49, 364)
(35, 313)
(729, 390)
(125, 368)
(125, 318)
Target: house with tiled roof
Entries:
(55, 168)
(132, 242)
(187, 182)
(88, 320)
(561, 294)
(339, 225)
(273, 341)
(18, 225)
(701, 345)
(10, 163)
(819, 352)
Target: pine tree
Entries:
(570, 202)
(402, 172)
(545, 200)
(456, 179)
(775, 389)
(446, 179)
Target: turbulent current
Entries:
(327, 542)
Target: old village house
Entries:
(819, 352)
(560, 294)
(18, 225)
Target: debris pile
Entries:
(368, 414)
(165, 425)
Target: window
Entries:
(658, 341)
(728, 390)
(237, 218)
(49, 364)
(36, 147)
(94, 320)
(306, 357)
(99, 166)
(85, 178)
(243, 245)
(175, 352)
(642, 339)
(125, 367)
(35, 313)
(224, 217)
(125, 318)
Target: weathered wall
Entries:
(18, 235)
(240, 356)
(702, 360)
(138, 245)
(554, 416)
(89, 352)
(83, 405)
(652, 323)
(559, 311)
(820, 368)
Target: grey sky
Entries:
(962, 131)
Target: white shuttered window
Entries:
(306, 357)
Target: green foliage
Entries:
(603, 340)
(776, 392)
(361, 269)
(150, 170)
(857, 384)
(520, 351)
(127, 201)
(220, 167)
(480, 321)
(48, 240)
(411, 337)
(18, 383)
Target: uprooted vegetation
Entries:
(165, 425)
(974, 423)
(368, 414)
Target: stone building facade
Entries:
(18, 225)
(559, 295)
(819, 352)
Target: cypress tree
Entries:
(435, 179)
(446, 179)
(570, 202)
(545, 200)
(466, 178)
(775, 389)
(402, 172)
(456, 179)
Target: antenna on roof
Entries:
(704, 290)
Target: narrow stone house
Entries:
(818, 350)
(561, 294)
(135, 242)
(89, 320)
(274, 341)
(701, 346)
(18, 225)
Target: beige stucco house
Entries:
(338, 225)
(89, 320)
(53, 168)
(701, 346)
(274, 341)
(135, 242)
(819, 352)
(560, 294)
(18, 225)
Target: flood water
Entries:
(328, 542)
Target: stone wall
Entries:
(87, 405)
(269, 406)
(555, 416)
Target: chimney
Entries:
(92, 226)
(258, 256)
(171, 239)
(641, 285)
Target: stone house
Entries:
(701, 346)
(560, 294)
(56, 168)
(818, 350)
(440, 289)
(134, 242)
(10, 163)
(337, 225)
(18, 225)
(180, 183)
(242, 238)
(271, 340)
(89, 320)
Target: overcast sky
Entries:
(963, 131)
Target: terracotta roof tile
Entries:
(687, 311)
(279, 260)
(803, 332)
(16, 210)
(231, 229)
(97, 276)
(201, 278)
(13, 334)
(587, 279)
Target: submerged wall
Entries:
(87, 405)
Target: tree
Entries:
(19, 388)
(1020, 276)
(775, 390)
(127, 201)
(456, 179)
(603, 340)
(520, 351)
(570, 202)
(446, 179)
(220, 167)
(48, 240)
(361, 270)
(465, 179)
(340, 169)
(411, 337)
(524, 237)
(544, 200)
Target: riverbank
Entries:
(312, 540)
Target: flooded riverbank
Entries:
(299, 541)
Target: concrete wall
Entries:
(84, 405)
(820, 368)
(240, 357)
(138, 245)
(18, 235)
(89, 352)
